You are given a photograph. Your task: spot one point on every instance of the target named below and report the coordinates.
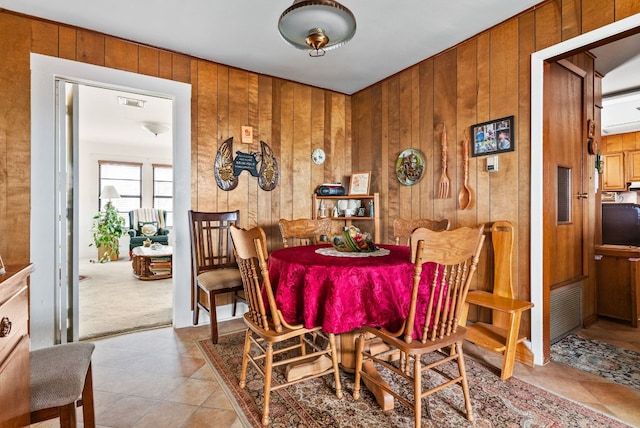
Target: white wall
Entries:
(90, 154)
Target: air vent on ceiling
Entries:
(131, 102)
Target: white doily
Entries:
(335, 253)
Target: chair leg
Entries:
(417, 390)
(465, 385)
(88, 412)
(196, 304)
(245, 358)
(359, 349)
(334, 360)
(68, 415)
(213, 318)
(235, 303)
(268, 367)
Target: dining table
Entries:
(316, 285)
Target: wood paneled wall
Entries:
(486, 77)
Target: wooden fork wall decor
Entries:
(444, 190)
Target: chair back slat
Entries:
(403, 227)
(251, 255)
(304, 231)
(211, 246)
(454, 254)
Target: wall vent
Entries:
(566, 310)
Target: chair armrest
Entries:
(498, 303)
(163, 232)
(132, 233)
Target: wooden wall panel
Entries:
(67, 38)
(44, 38)
(597, 13)
(625, 8)
(121, 55)
(90, 47)
(548, 29)
(571, 18)
(148, 61)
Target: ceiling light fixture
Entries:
(155, 128)
(317, 25)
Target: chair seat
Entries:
(220, 279)
(58, 374)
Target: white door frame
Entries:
(44, 70)
(537, 171)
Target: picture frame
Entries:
(493, 137)
(360, 183)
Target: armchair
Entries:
(147, 223)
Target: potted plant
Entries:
(108, 227)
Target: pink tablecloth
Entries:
(344, 293)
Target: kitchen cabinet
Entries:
(633, 165)
(365, 223)
(15, 389)
(613, 177)
(618, 282)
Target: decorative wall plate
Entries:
(409, 167)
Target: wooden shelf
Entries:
(348, 221)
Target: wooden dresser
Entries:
(14, 347)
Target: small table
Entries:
(150, 264)
(342, 294)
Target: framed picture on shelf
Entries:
(495, 136)
(359, 183)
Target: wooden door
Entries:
(565, 185)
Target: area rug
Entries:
(601, 359)
(496, 403)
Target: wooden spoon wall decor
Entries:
(464, 197)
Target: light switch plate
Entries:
(492, 164)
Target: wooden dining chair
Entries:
(61, 379)
(403, 227)
(213, 267)
(277, 343)
(429, 327)
(304, 231)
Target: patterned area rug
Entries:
(601, 359)
(496, 403)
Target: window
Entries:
(163, 190)
(127, 179)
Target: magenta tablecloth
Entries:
(344, 293)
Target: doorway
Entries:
(125, 141)
(540, 328)
(50, 315)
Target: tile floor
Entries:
(158, 378)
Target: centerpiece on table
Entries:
(353, 240)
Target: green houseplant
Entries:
(108, 227)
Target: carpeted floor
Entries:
(601, 359)
(313, 403)
(113, 301)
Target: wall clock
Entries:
(318, 156)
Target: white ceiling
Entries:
(390, 36)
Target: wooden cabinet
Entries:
(618, 282)
(369, 222)
(633, 165)
(15, 391)
(613, 177)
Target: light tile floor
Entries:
(158, 378)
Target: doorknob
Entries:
(582, 195)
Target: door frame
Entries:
(44, 70)
(538, 60)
